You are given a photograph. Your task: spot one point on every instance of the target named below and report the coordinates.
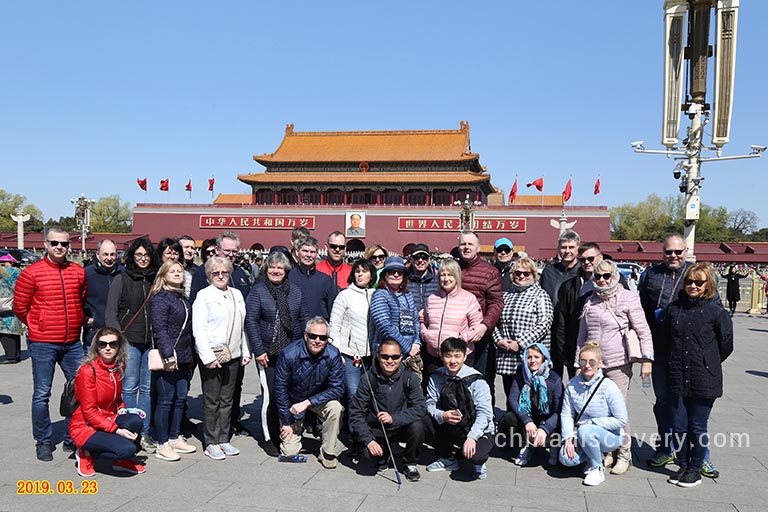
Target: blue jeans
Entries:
(591, 443)
(352, 375)
(691, 430)
(137, 382)
(112, 446)
(666, 406)
(45, 355)
(171, 389)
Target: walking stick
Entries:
(383, 427)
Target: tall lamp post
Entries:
(467, 213)
(83, 207)
(20, 218)
(697, 51)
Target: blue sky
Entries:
(97, 94)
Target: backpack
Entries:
(69, 402)
(455, 395)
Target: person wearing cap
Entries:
(10, 327)
(504, 257)
(393, 312)
(423, 279)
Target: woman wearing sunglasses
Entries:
(525, 319)
(699, 336)
(172, 333)
(451, 313)
(393, 312)
(377, 255)
(608, 315)
(100, 426)
(218, 316)
(128, 310)
(593, 416)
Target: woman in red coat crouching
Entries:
(101, 426)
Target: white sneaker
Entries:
(180, 445)
(524, 457)
(165, 452)
(442, 464)
(595, 476)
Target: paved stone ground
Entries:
(253, 481)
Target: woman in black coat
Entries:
(699, 335)
(732, 292)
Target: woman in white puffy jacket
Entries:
(348, 328)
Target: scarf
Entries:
(522, 288)
(608, 292)
(283, 324)
(535, 382)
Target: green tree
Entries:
(109, 215)
(67, 223)
(8, 204)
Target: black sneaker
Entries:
(675, 477)
(412, 474)
(382, 465)
(690, 478)
(68, 446)
(44, 452)
(270, 448)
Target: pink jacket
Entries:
(597, 324)
(451, 316)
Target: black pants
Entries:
(485, 362)
(412, 435)
(449, 446)
(11, 346)
(273, 418)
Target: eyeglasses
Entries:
(522, 273)
(378, 257)
(396, 272)
(141, 256)
(219, 273)
(420, 257)
(170, 252)
(605, 277)
(585, 362)
(676, 252)
(336, 247)
(54, 243)
(390, 357)
(313, 336)
(229, 251)
(503, 249)
(590, 259)
(104, 344)
(210, 252)
(699, 283)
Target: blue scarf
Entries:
(536, 382)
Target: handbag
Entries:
(155, 359)
(222, 353)
(6, 305)
(631, 340)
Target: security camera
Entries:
(676, 173)
(758, 149)
(638, 144)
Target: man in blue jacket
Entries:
(319, 289)
(310, 376)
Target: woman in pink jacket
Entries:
(608, 313)
(451, 313)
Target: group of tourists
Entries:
(379, 351)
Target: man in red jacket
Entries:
(483, 280)
(49, 299)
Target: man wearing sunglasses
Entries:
(659, 286)
(504, 257)
(391, 399)
(49, 299)
(310, 376)
(333, 265)
(422, 280)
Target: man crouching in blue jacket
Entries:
(390, 399)
(310, 375)
(459, 412)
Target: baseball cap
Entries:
(502, 242)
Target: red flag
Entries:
(567, 191)
(597, 186)
(513, 193)
(188, 187)
(539, 184)
(142, 183)
(164, 185)
(210, 184)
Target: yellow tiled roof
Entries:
(233, 199)
(373, 146)
(352, 178)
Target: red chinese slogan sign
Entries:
(509, 225)
(256, 222)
